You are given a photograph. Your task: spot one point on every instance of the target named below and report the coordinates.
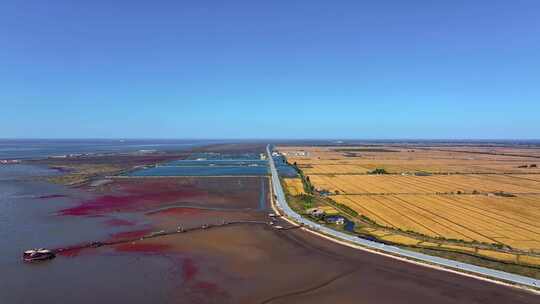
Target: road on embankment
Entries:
(392, 251)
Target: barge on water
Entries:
(36, 255)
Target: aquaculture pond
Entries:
(206, 167)
(283, 168)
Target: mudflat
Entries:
(229, 254)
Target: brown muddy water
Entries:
(243, 263)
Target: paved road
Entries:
(281, 203)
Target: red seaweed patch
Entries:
(127, 235)
(126, 203)
(189, 269)
(144, 248)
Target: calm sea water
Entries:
(27, 221)
(28, 149)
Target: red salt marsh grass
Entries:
(157, 200)
(125, 203)
(189, 270)
(143, 247)
(136, 195)
(126, 235)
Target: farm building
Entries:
(335, 219)
(315, 212)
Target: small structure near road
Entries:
(315, 212)
(335, 219)
(322, 211)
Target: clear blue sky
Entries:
(270, 69)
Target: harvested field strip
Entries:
(520, 185)
(436, 211)
(506, 214)
(417, 226)
(368, 184)
(372, 183)
(504, 205)
(473, 222)
(510, 228)
(421, 184)
(521, 207)
(432, 184)
(418, 184)
(396, 185)
(400, 220)
(506, 218)
(527, 207)
(415, 184)
(361, 209)
(329, 180)
(442, 228)
(462, 183)
(495, 231)
(425, 184)
(533, 199)
(456, 186)
(344, 187)
(480, 220)
(533, 177)
(502, 183)
(353, 184)
(442, 223)
(529, 245)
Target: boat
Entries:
(41, 254)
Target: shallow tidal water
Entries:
(28, 219)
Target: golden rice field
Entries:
(294, 186)
(509, 221)
(398, 184)
(459, 205)
(327, 160)
(412, 241)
